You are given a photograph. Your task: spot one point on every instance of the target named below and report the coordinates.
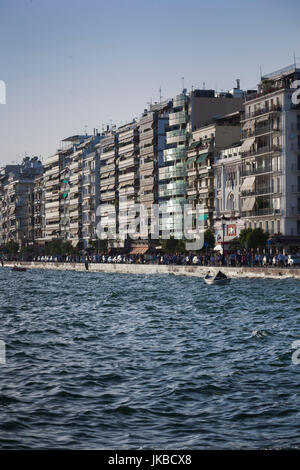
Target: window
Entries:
(272, 226)
(267, 226)
(278, 226)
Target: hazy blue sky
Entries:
(68, 64)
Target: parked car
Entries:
(293, 260)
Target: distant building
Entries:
(16, 201)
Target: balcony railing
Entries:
(260, 131)
(259, 112)
(261, 212)
(262, 150)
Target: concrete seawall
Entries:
(198, 271)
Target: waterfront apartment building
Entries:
(189, 112)
(66, 185)
(227, 182)
(90, 190)
(16, 201)
(204, 147)
(128, 180)
(107, 151)
(39, 209)
(270, 190)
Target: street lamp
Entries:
(223, 244)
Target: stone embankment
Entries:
(198, 271)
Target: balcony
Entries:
(178, 153)
(260, 170)
(259, 112)
(262, 212)
(171, 172)
(127, 176)
(147, 166)
(262, 150)
(147, 197)
(129, 162)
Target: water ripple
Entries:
(120, 361)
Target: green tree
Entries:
(12, 247)
(170, 245)
(209, 238)
(244, 237)
(253, 238)
(53, 248)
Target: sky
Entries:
(74, 65)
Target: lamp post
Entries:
(223, 244)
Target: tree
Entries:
(253, 238)
(258, 238)
(170, 246)
(53, 248)
(66, 248)
(12, 247)
(244, 236)
(209, 238)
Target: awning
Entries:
(191, 160)
(262, 118)
(248, 204)
(248, 184)
(202, 157)
(139, 250)
(248, 124)
(247, 144)
(194, 145)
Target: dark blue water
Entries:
(125, 361)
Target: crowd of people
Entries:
(250, 259)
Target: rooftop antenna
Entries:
(160, 95)
(182, 78)
(203, 85)
(85, 129)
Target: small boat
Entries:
(18, 268)
(219, 279)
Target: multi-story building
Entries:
(189, 112)
(39, 209)
(90, 192)
(152, 142)
(109, 199)
(227, 182)
(205, 145)
(270, 189)
(128, 177)
(67, 189)
(17, 201)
